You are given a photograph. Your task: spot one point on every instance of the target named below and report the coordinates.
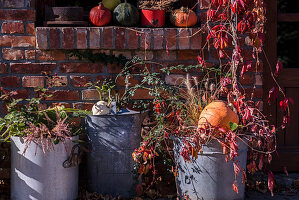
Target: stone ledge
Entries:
(118, 38)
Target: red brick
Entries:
(10, 81)
(33, 81)
(12, 27)
(187, 55)
(57, 81)
(81, 38)
(254, 93)
(142, 94)
(30, 28)
(83, 106)
(17, 14)
(95, 38)
(32, 68)
(166, 55)
(184, 38)
(121, 81)
(47, 55)
(247, 79)
(196, 38)
(13, 3)
(81, 68)
(41, 38)
(158, 35)
(174, 79)
(171, 37)
(63, 95)
(145, 55)
(139, 68)
(107, 38)
(23, 41)
(5, 41)
(3, 68)
(13, 54)
(30, 54)
(68, 41)
(90, 94)
(80, 81)
(20, 94)
(54, 38)
(258, 79)
(133, 42)
(145, 39)
(17, 41)
(120, 38)
(114, 68)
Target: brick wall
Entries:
(27, 52)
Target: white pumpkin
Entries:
(101, 108)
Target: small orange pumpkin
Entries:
(183, 17)
(217, 113)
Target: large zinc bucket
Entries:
(35, 175)
(209, 177)
(113, 139)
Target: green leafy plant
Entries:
(32, 120)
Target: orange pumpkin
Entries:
(217, 113)
(100, 16)
(183, 17)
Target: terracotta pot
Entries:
(152, 18)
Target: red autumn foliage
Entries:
(271, 182)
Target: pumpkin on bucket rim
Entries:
(217, 114)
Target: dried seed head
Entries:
(212, 87)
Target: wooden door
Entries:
(282, 42)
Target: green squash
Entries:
(126, 14)
(111, 4)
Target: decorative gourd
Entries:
(126, 14)
(100, 16)
(111, 4)
(101, 108)
(217, 113)
(183, 17)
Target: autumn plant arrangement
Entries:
(209, 105)
(44, 144)
(35, 122)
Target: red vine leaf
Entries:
(278, 68)
(285, 170)
(273, 94)
(235, 187)
(244, 178)
(271, 182)
(284, 104)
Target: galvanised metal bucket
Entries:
(113, 139)
(36, 175)
(209, 177)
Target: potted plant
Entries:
(42, 141)
(113, 133)
(153, 12)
